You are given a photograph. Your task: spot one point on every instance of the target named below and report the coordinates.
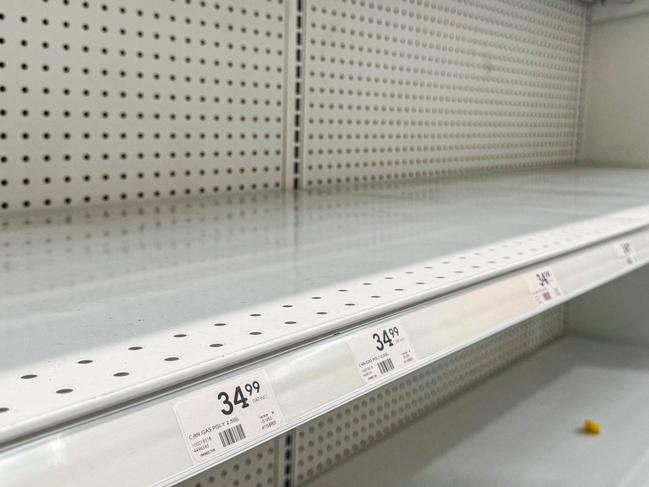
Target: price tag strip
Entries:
(626, 252)
(381, 350)
(229, 414)
(543, 285)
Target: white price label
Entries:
(543, 285)
(227, 415)
(626, 252)
(381, 350)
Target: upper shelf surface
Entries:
(99, 306)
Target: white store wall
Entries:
(616, 118)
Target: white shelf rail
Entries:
(301, 371)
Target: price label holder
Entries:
(381, 350)
(626, 252)
(543, 286)
(228, 414)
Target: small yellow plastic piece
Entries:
(591, 427)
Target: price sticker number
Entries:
(543, 286)
(381, 350)
(240, 399)
(626, 252)
(227, 415)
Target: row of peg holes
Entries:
(260, 15)
(68, 390)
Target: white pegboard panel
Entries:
(349, 429)
(262, 466)
(104, 101)
(412, 88)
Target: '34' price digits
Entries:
(385, 337)
(239, 397)
(544, 278)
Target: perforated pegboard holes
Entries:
(103, 102)
(257, 467)
(269, 464)
(414, 88)
(339, 434)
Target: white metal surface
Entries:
(107, 101)
(314, 241)
(260, 467)
(623, 302)
(618, 10)
(104, 102)
(192, 294)
(396, 89)
(522, 427)
(616, 122)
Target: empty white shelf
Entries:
(107, 316)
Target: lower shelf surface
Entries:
(523, 427)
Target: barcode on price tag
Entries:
(381, 350)
(626, 252)
(227, 415)
(543, 285)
